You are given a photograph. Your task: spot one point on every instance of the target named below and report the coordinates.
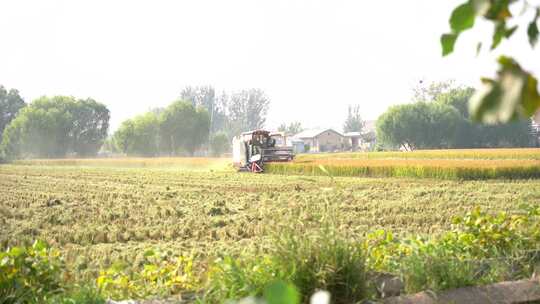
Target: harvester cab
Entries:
(251, 150)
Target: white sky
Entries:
(312, 57)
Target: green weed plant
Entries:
(29, 274)
(324, 261)
(481, 248)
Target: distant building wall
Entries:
(322, 140)
(328, 140)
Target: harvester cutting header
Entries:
(251, 150)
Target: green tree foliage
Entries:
(205, 97)
(55, 126)
(184, 127)
(354, 122)
(235, 113)
(188, 124)
(139, 136)
(90, 127)
(445, 123)
(10, 104)
(474, 135)
(291, 129)
(219, 143)
(247, 110)
(513, 94)
(110, 146)
(420, 125)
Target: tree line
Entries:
(59, 126)
(51, 127)
(199, 120)
(180, 127)
(439, 117)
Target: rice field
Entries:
(501, 153)
(444, 164)
(176, 163)
(102, 211)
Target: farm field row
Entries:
(444, 164)
(499, 153)
(415, 168)
(176, 163)
(99, 215)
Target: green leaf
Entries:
(39, 245)
(511, 95)
(498, 34)
(323, 169)
(462, 17)
(531, 98)
(447, 42)
(501, 31)
(281, 293)
(532, 29)
(16, 252)
(149, 253)
(510, 31)
(499, 10)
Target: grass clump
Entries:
(323, 261)
(76, 294)
(35, 274)
(161, 276)
(436, 269)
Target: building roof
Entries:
(352, 134)
(311, 133)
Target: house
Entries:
(321, 140)
(353, 140)
(364, 140)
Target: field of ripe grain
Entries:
(98, 215)
(176, 163)
(443, 164)
(501, 153)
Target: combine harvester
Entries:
(251, 150)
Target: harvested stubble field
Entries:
(100, 214)
(444, 164)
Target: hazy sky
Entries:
(311, 57)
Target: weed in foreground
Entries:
(86, 294)
(481, 248)
(29, 274)
(322, 261)
(161, 276)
